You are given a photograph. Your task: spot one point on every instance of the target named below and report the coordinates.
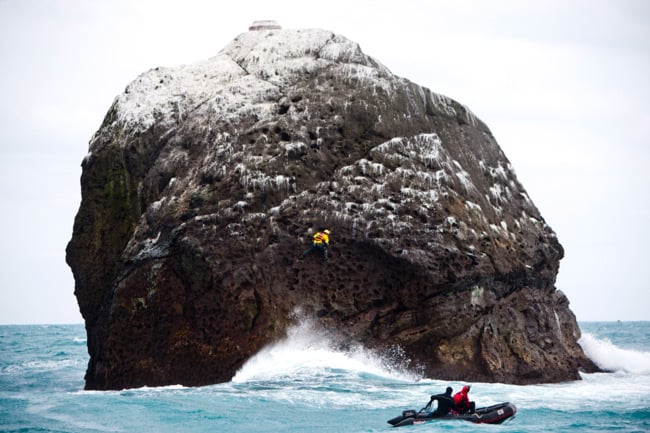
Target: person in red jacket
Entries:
(462, 403)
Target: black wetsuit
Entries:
(445, 403)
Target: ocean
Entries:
(302, 384)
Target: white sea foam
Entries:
(308, 350)
(305, 383)
(613, 358)
(307, 367)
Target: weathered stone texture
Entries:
(204, 183)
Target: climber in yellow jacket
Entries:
(320, 241)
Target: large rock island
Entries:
(205, 182)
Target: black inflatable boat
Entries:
(495, 414)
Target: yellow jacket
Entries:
(321, 238)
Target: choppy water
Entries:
(303, 385)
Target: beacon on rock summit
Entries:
(264, 25)
(205, 181)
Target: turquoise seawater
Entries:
(303, 385)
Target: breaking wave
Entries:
(610, 357)
(307, 350)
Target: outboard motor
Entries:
(405, 414)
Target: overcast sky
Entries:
(562, 84)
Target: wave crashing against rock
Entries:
(204, 182)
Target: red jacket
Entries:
(461, 399)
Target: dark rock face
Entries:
(205, 182)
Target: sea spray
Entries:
(308, 348)
(610, 357)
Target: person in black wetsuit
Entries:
(445, 402)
